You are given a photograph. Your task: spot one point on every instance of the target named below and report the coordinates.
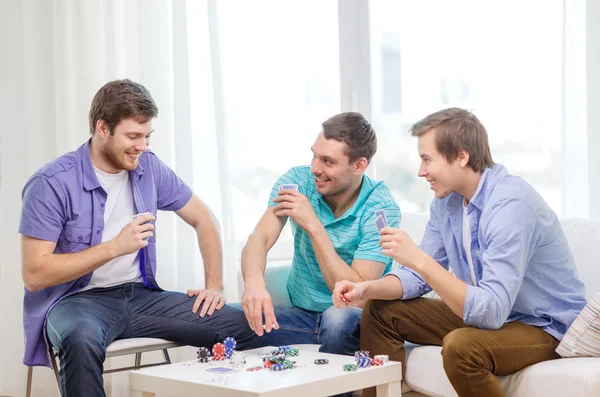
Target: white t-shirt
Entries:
(118, 212)
(466, 232)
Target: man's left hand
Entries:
(296, 205)
(213, 300)
(398, 245)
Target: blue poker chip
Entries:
(229, 352)
(363, 362)
(230, 343)
(277, 367)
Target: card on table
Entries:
(288, 186)
(221, 370)
(380, 219)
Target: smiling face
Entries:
(122, 149)
(443, 176)
(331, 167)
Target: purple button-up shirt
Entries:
(63, 202)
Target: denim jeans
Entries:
(81, 326)
(336, 330)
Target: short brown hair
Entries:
(355, 131)
(457, 129)
(119, 100)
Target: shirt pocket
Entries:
(75, 239)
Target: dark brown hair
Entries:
(355, 131)
(119, 100)
(457, 129)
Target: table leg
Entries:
(393, 389)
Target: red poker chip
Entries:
(254, 369)
(376, 362)
(218, 357)
(269, 364)
(218, 349)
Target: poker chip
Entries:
(361, 353)
(257, 368)
(218, 349)
(321, 361)
(268, 364)
(350, 367)
(376, 362)
(277, 367)
(287, 364)
(237, 359)
(293, 352)
(229, 352)
(230, 343)
(218, 357)
(363, 362)
(203, 354)
(285, 348)
(382, 357)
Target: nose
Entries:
(315, 167)
(141, 145)
(422, 171)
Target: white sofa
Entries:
(567, 377)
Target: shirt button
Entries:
(70, 161)
(79, 238)
(98, 231)
(102, 205)
(81, 285)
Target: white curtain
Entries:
(56, 55)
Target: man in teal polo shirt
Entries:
(335, 238)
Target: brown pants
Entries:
(472, 357)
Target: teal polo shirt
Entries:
(353, 235)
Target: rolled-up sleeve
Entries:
(432, 244)
(510, 235)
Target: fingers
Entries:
(213, 305)
(221, 303)
(257, 318)
(269, 315)
(199, 299)
(139, 220)
(248, 309)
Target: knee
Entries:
(376, 313)
(83, 337)
(342, 321)
(458, 346)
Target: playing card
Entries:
(221, 370)
(143, 213)
(380, 219)
(288, 186)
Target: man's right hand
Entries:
(134, 236)
(346, 293)
(255, 302)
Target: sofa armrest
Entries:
(276, 275)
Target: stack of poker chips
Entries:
(321, 361)
(350, 367)
(237, 359)
(218, 352)
(363, 362)
(383, 358)
(203, 354)
(286, 364)
(230, 345)
(361, 353)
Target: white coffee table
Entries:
(192, 379)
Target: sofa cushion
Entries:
(583, 337)
(563, 377)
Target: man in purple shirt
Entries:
(89, 264)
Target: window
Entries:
(480, 56)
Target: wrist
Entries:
(255, 282)
(112, 248)
(314, 229)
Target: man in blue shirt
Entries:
(89, 263)
(332, 216)
(515, 289)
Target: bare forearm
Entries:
(386, 288)
(56, 269)
(452, 290)
(254, 260)
(212, 256)
(333, 268)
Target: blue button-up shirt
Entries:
(524, 269)
(63, 202)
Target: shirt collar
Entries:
(489, 175)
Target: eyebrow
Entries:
(323, 157)
(138, 133)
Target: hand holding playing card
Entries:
(296, 205)
(398, 245)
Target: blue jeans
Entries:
(336, 330)
(81, 326)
